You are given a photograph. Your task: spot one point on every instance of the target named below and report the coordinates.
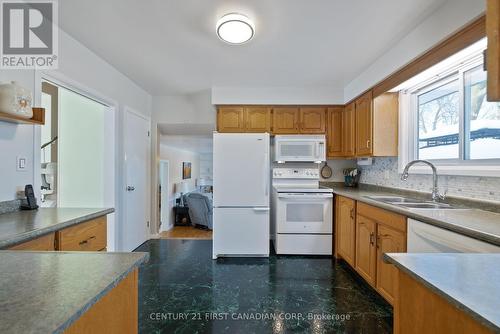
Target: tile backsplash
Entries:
(384, 172)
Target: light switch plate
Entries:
(21, 163)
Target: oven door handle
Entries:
(305, 196)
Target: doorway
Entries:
(164, 200)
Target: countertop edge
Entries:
(461, 306)
(94, 300)
(30, 235)
(483, 236)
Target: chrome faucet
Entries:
(436, 196)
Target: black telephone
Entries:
(30, 198)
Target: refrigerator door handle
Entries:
(261, 209)
(266, 175)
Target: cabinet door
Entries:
(230, 119)
(493, 51)
(312, 120)
(89, 236)
(44, 243)
(257, 119)
(366, 252)
(349, 130)
(285, 120)
(345, 231)
(388, 241)
(334, 132)
(364, 113)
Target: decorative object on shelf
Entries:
(326, 171)
(351, 177)
(16, 100)
(181, 188)
(186, 170)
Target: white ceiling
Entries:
(170, 47)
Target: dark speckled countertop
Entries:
(45, 292)
(476, 289)
(21, 226)
(475, 223)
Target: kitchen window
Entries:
(451, 123)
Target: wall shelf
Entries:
(38, 117)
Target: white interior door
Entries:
(137, 150)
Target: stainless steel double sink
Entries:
(410, 203)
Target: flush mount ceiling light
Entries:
(235, 28)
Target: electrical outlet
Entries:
(21, 163)
(387, 175)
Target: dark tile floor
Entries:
(182, 290)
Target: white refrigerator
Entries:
(241, 172)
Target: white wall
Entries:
(206, 166)
(175, 159)
(277, 95)
(446, 20)
(80, 67)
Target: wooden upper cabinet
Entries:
(493, 51)
(286, 120)
(364, 119)
(312, 120)
(257, 119)
(385, 125)
(334, 132)
(345, 229)
(388, 241)
(349, 130)
(366, 253)
(230, 119)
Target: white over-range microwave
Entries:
(300, 148)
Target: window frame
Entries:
(409, 121)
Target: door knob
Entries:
(130, 188)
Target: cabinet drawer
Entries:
(43, 243)
(88, 236)
(381, 216)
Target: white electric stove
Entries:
(302, 212)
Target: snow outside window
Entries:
(455, 121)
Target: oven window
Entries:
(304, 212)
(296, 150)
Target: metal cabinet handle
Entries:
(130, 188)
(86, 241)
(368, 143)
(372, 238)
(352, 213)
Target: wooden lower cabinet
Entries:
(377, 231)
(420, 310)
(117, 312)
(88, 236)
(345, 231)
(43, 243)
(366, 252)
(388, 241)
